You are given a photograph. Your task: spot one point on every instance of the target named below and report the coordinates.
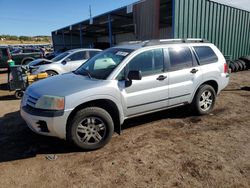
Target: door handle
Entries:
(161, 77)
(193, 71)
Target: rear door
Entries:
(151, 92)
(184, 74)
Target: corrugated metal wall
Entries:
(228, 28)
(146, 18)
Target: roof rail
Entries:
(163, 41)
(131, 42)
(169, 41)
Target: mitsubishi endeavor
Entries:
(87, 105)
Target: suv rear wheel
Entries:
(204, 100)
(91, 128)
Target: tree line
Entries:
(25, 38)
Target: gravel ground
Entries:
(172, 148)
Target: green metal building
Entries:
(225, 26)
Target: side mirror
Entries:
(65, 61)
(134, 75)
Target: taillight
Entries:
(225, 68)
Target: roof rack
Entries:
(163, 41)
(130, 42)
(170, 41)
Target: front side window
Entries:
(101, 65)
(149, 62)
(205, 55)
(180, 58)
(60, 57)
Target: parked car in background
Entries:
(20, 56)
(53, 54)
(34, 65)
(65, 62)
(4, 57)
(123, 82)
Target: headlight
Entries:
(48, 102)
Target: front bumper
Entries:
(48, 126)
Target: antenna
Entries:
(90, 16)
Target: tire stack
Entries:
(240, 64)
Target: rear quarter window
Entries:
(205, 55)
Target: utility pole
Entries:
(90, 16)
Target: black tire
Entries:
(236, 66)
(27, 61)
(243, 64)
(204, 94)
(240, 65)
(91, 128)
(232, 66)
(19, 94)
(51, 73)
(246, 59)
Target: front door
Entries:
(151, 92)
(76, 60)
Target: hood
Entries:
(39, 62)
(63, 85)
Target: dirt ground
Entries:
(166, 149)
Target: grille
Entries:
(31, 101)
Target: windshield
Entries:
(60, 56)
(101, 65)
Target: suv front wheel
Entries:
(204, 100)
(91, 128)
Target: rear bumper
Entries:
(224, 81)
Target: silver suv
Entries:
(122, 82)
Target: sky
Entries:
(242, 4)
(40, 17)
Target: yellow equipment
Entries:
(33, 78)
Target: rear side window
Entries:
(89, 54)
(77, 56)
(205, 55)
(93, 53)
(27, 50)
(180, 57)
